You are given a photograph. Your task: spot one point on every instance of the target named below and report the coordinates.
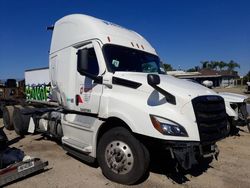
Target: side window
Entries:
(87, 61)
(93, 67)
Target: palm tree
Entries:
(204, 64)
(168, 67)
(214, 64)
(232, 65)
(197, 68)
(222, 65)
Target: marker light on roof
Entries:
(137, 46)
(132, 44)
(109, 39)
(142, 47)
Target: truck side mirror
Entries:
(82, 60)
(87, 64)
(153, 79)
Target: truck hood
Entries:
(175, 86)
(233, 97)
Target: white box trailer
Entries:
(38, 76)
(37, 84)
(114, 102)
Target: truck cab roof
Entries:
(77, 28)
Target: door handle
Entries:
(77, 100)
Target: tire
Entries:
(122, 158)
(1, 110)
(20, 121)
(59, 131)
(229, 127)
(248, 126)
(8, 117)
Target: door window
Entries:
(87, 62)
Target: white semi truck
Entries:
(111, 101)
(236, 108)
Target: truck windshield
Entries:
(121, 58)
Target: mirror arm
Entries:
(169, 97)
(97, 79)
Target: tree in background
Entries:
(168, 67)
(248, 75)
(232, 65)
(220, 65)
(204, 64)
(214, 65)
(195, 69)
(246, 78)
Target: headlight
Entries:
(233, 105)
(245, 100)
(168, 127)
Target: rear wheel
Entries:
(8, 117)
(122, 157)
(20, 121)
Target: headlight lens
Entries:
(245, 100)
(233, 105)
(168, 127)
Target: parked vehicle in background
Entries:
(236, 107)
(247, 89)
(11, 93)
(12, 90)
(110, 101)
(208, 83)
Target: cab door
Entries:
(88, 90)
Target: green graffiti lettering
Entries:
(38, 92)
(47, 91)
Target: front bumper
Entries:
(188, 154)
(241, 122)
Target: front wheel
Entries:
(229, 127)
(248, 126)
(122, 157)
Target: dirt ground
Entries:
(231, 170)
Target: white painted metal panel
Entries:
(37, 77)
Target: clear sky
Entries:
(183, 32)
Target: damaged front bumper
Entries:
(185, 153)
(188, 154)
(241, 122)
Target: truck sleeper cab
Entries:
(116, 101)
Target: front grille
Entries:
(211, 117)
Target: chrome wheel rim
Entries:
(119, 157)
